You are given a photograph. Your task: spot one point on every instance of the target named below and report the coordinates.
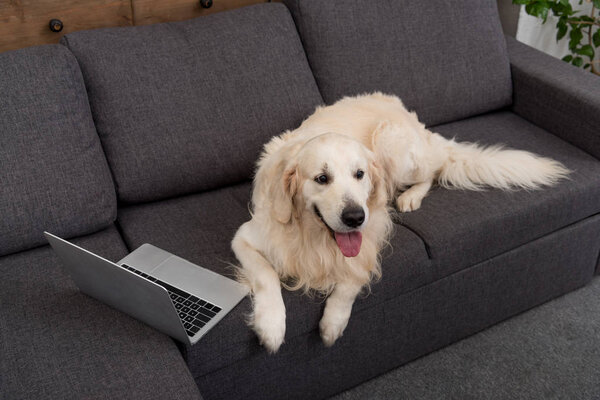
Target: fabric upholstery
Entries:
(411, 325)
(200, 228)
(185, 107)
(556, 96)
(462, 228)
(57, 343)
(53, 172)
(446, 60)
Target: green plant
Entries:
(584, 35)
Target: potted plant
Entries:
(584, 35)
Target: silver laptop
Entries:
(166, 292)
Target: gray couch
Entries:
(123, 136)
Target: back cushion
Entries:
(445, 59)
(53, 174)
(185, 107)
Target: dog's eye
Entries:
(359, 174)
(321, 179)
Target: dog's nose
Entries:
(353, 216)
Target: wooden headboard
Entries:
(32, 22)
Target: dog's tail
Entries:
(470, 166)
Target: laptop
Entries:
(154, 286)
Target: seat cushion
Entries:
(462, 228)
(54, 175)
(57, 343)
(200, 228)
(185, 107)
(446, 60)
(382, 332)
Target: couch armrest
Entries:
(556, 96)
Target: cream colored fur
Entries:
(286, 241)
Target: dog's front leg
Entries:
(268, 316)
(337, 311)
(411, 199)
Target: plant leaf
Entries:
(578, 61)
(557, 8)
(586, 50)
(596, 38)
(575, 36)
(597, 3)
(529, 9)
(543, 11)
(562, 8)
(568, 10)
(522, 1)
(538, 9)
(567, 58)
(562, 30)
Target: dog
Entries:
(320, 210)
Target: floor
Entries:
(550, 352)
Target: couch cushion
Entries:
(200, 228)
(185, 107)
(462, 228)
(446, 60)
(54, 174)
(56, 343)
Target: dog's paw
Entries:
(408, 201)
(269, 325)
(332, 330)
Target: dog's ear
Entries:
(282, 194)
(276, 180)
(379, 191)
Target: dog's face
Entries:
(337, 182)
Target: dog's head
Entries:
(334, 181)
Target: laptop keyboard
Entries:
(193, 312)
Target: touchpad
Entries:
(183, 274)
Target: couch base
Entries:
(416, 323)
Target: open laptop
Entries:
(166, 292)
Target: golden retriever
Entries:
(320, 196)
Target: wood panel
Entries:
(26, 22)
(153, 11)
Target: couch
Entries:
(122, 136)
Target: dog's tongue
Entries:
(349, 243)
